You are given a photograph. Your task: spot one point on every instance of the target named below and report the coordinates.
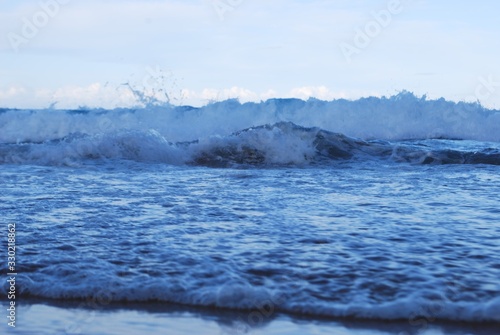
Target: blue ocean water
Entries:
(383, 209)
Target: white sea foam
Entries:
(403, 116)
(226, 293)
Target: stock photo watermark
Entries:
(485, 88)
(222, 7)
(363, 36)
(32, 25)
(262, 312)
(86, 317)
(431, 311)
(11, 274)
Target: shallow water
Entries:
(369, 240)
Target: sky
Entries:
(75, 53)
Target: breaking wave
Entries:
(275, 132)
(280, 144)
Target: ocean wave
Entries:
(403, 116)
(280, 144)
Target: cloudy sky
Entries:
(83, 53)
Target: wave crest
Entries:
(281, 144)
(399, 117)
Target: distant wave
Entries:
(281, 144)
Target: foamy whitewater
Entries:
(379, 208)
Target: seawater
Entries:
(295, 218)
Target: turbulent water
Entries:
(376, 208)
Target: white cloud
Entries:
(12, 92)
(69, 97)
(114, 96)
(319, 92)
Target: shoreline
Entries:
(39, 317)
